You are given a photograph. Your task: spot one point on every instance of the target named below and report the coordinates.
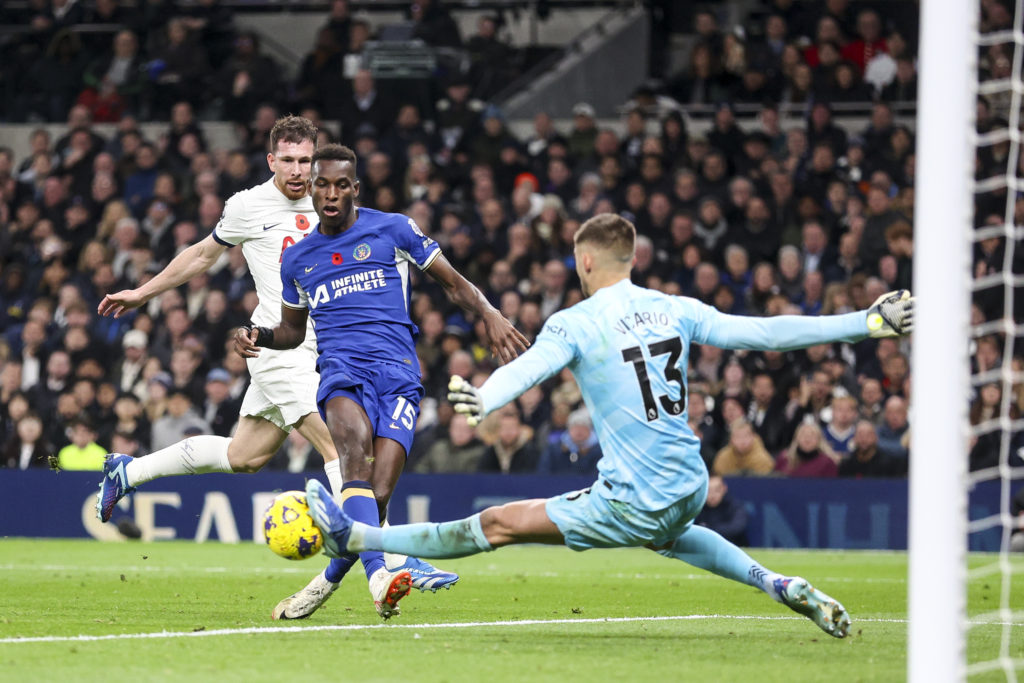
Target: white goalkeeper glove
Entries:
(892, 314)
(465, 398)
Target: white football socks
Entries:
(195, 455)
(333, 471)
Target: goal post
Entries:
(940, 386)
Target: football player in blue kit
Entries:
(627, 347)
(351, 276)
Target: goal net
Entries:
(966, 621)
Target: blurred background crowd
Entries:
(745, 191)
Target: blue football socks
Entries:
(359, 503)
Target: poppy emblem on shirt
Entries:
(362, 252)
(336, 259)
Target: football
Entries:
(289, 529)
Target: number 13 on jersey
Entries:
(635, 355)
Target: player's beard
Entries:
(292, 193)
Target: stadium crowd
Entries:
(781, 216)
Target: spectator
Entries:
(178, 70)
(866, 460)
(459, 451)
(723, 514)
(83, 453)
(319, 82)
(869, 41)
(513, 452)
(839, 431)
(115, 81)
(433, 24)
(745, 455)
(712, 438)
(809, 455)
(220, 410)
(903, 88)
(576, 451)
(766, 412)
(247, 79)
(893, 429)
(700, 82)
(179, 421)
(987, 440)
(490, 58)
(26, 448)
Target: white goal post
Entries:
(940, 389)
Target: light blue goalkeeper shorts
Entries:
(588, 519)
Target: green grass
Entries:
(71, 588)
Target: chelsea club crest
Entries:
(362, 252)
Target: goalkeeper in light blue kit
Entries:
(627, 346)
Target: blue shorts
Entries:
(389, 394)
(588, 519)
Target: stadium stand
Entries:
(747, 194)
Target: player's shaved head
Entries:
(334, 152)
(293, 129)
(611, 235)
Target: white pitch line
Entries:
(702, 576)
(261, 630)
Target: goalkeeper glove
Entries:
(466, 400)
(892, 315)
(264, 335)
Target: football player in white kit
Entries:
(264, 220)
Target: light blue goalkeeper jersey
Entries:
(627, 346)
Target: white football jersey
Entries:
(265, 223)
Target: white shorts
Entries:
(283, 387)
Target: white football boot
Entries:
(387, 589)
(308, 600)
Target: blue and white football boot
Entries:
(114, 486)
(425, 576)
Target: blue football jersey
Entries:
(356, 286)
(627, 347)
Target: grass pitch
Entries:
(174, 611)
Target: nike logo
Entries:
(394, 426)
(312, 267)
(268, 227)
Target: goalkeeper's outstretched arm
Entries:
(891, 315)
(541, 361)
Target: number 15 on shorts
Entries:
(404, 411)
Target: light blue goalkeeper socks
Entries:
(706, 549)
(435, 541)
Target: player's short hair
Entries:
(611, 233)
(334, 152)
(294, 129)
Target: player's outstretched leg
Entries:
(114, 485)
(195, 455)
(343, 534)
(706, 549)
